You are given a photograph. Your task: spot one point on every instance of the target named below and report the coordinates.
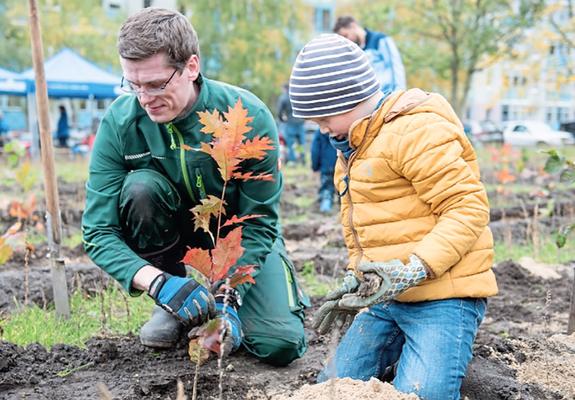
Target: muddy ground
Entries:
(521, 351)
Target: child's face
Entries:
(337, 126)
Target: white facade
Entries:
(535, 86)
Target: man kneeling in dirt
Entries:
(142, 184)
(414, 216)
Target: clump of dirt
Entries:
(347, 388)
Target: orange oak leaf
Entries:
(237, 122)
(210, 206)
(238, 220)
(255, 148)
(222, 155)
(226, 253)
(23, 210)
(242, 274)
(199, 259)
(229, 146)
(212, 122)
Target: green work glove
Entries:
(384, 281)
(330, 312)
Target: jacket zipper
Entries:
(200, 184)
(171, 129)
(347, 164)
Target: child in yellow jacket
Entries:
(415, 220)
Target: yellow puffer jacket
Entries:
(412, 187)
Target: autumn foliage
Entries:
(229, 147)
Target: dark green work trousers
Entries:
(159, 228)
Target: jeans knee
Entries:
(275, 351)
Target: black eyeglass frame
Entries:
(155, 91)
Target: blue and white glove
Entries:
(232, 328)
(384, 281)
(191, 303)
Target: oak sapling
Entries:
(229, 147)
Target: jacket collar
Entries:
(398, 103)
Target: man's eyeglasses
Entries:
(151, 90)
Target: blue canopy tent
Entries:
(11, 83)
(70, 75)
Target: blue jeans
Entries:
(428, 343)
(295, 132)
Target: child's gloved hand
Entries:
(330, 312)
(384, 281)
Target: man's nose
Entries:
(144, 97)
(324, 130)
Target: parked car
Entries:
(568, 127)
(534, 133)
(483, 131)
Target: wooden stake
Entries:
(54, 226)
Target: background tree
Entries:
(561, 17)
(446, 42)
(250, 43)
(81, 25)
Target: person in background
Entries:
(63, 129)
(142, 183)
(3, 130)
(293, 129)
(323, 158)
(380, 50)
(415, 221)
(386, 61)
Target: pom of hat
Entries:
(331, 76)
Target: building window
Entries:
(504, 112)
(323, 19)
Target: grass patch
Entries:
(72, 171)
(547, 253)
(34, 324)
(304, 201)
(72, 241)
(313, 286)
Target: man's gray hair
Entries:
(157, 30)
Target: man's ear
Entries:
(193, 67)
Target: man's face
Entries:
(147, 75)
(352, 32)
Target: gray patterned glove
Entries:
(394, 278)
(330, 312)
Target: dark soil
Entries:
(520, 352)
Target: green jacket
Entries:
(128, 140)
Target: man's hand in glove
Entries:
(229, 320)
(227, 331)
(384, 281)
(330, 311)
(184, 298)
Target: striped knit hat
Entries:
(331, 76)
